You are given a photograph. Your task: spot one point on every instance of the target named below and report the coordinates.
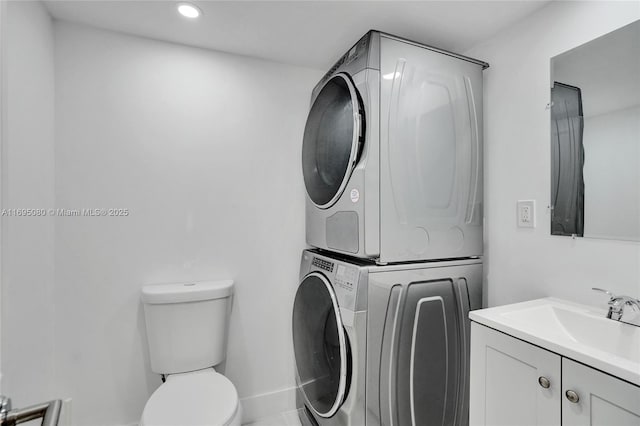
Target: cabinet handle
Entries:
(572, 396)
(544, 382)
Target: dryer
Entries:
(384, 345)
(392, 153)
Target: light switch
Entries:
(526, 213)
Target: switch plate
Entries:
(526, 213)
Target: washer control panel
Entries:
(323, 264)
(346, 277)
(342, 276)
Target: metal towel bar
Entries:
(49, 412)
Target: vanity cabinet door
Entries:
(603, 400)
(512, 382)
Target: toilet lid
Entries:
(192, 399)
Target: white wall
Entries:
(529, 263)
(612, 175)
(203, 148)
(3, 137)
(27, 182)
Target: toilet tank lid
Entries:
(186, 292)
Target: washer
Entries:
(392, 153)
(384, 345)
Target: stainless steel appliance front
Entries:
(392, 154)
(404, 352)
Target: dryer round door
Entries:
(332, 138)
(320, 345)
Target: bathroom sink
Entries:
(598, 332)
(572, 330)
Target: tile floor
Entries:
(288, 418)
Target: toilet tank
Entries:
(187, 324)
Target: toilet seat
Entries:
(198, 398)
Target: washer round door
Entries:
(332, 138)
(320, 345)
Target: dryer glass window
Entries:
(319, 345)
(328, 150)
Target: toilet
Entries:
(187, 337)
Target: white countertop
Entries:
(579, 332)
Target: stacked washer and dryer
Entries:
(392, 165)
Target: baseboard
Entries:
(268, 404)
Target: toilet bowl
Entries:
(199, 398)
(187, 337)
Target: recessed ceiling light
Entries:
(189, 10)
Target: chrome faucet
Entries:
(618, 303)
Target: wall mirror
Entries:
(595, 138)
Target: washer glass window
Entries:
(331, 140)
(320, 345)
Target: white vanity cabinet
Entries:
(603, 400)
(512, 382)
(516, 383)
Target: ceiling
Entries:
(307, 33)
